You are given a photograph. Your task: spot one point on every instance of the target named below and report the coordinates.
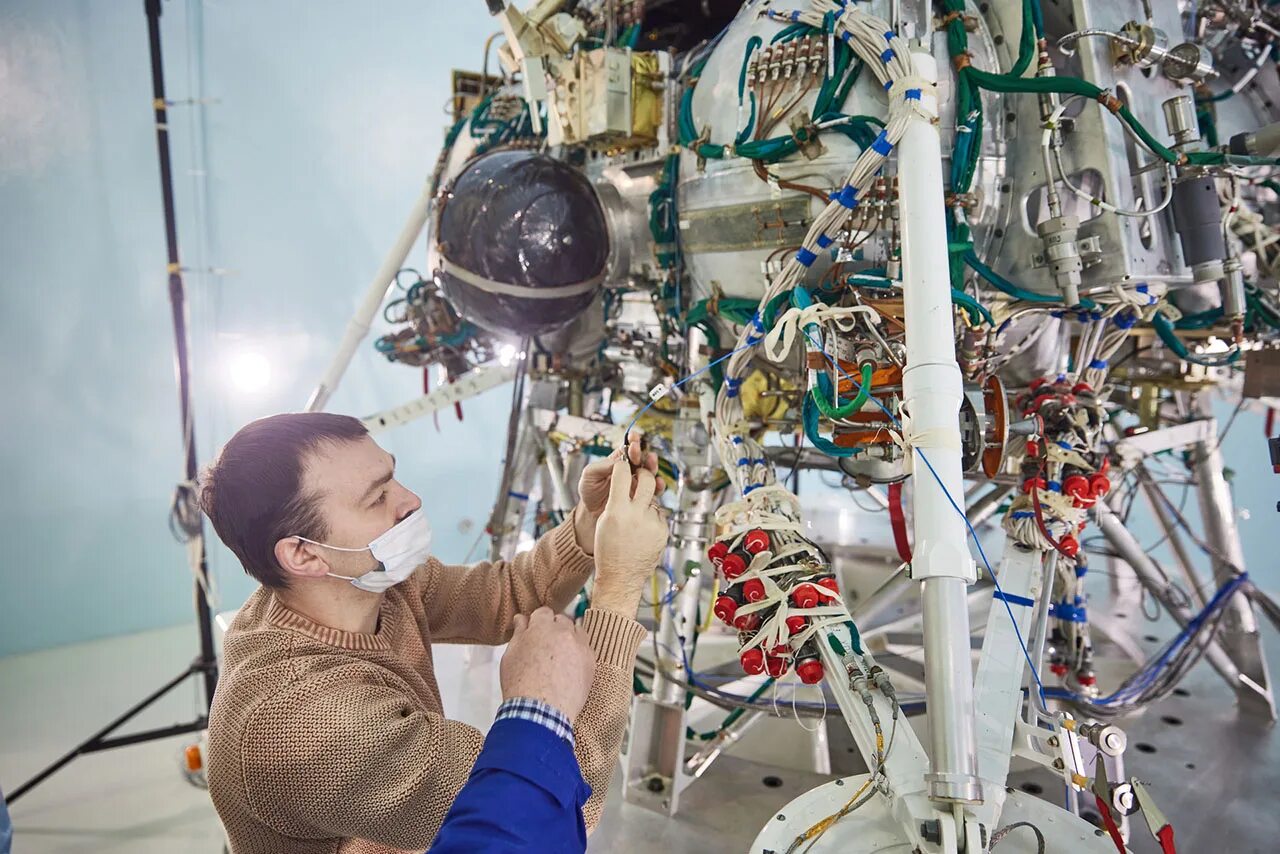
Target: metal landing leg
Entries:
(1239, 633)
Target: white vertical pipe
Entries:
(932, 388)
(358, 326)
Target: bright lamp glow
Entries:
(506, 353)
(248, 371)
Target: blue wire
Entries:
(857, 385)
(679, 383)
(1026, 654)
(1153, 669)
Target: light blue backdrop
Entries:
(326, 116)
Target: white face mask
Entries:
(399, 552)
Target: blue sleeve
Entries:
(525, 794)
(6, 827)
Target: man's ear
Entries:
(300, 559)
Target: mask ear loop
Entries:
(349, 578)
(327, 546)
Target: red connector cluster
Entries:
(777, 661)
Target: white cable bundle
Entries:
(1061, 517)
(889, 60)
(776, 511)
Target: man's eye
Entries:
(381, 499)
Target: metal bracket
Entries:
(470, 384)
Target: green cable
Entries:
(972, 306)
(1164, 329)
(844, 410)
(1068, 86)
(690, 734)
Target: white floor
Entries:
(132, 799)
(1218, 775)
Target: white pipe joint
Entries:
(933, 394)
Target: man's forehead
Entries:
(345, 468)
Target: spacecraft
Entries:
(979, 263)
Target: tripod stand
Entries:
(205, 665)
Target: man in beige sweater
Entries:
(327, 732)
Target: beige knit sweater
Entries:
(328, 741)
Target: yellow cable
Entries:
(657, 609)
(821, 827)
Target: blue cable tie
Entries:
(1014, 599)
(882, 146)
(749, 488)
(1055, 486)
(1098, 364)
(1142, 288)
(1055, 314)
(753, 339)
(737, 440)
(742, 461)
(805, 257)
(795, 16)
(757, 322)
(519, 496)
(1082, 316)
(848, 196)
(887, 55)
(1022, 514)
(888, 35)
(1066, 446)
(1081, 569)
(888, 84)
(912, 95)
(1069, 613)
(846, 37)
(824, 241)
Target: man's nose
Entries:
(410, 503)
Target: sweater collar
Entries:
(363, 641)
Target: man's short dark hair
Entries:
(253, 491)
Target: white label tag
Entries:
(657, 392)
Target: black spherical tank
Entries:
(521, 242)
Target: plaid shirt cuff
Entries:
(526, 708)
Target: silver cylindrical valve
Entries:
(1232, 288)
(1180, 118)
(1063, 255)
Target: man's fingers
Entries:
(542, 615)
(661, 485)
(563, 620)
(645, 486)
(520, 622)
(651, 462)
(620, 481)
(634, 453)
